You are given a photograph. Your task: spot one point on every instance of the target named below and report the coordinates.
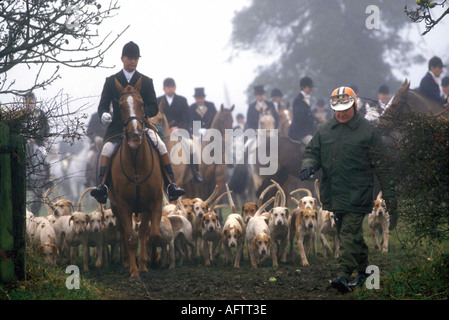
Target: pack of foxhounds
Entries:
(191, 229)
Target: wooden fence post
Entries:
(18, 190)
(6, 221)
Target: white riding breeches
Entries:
(109, 147)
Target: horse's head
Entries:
(267, 122)
(223, 119)
(132, 113)
(396, 105)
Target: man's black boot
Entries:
(101, 193)
(196, 173)
(341, 284)
(359, 280)
(173, 191)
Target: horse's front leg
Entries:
(143, 234)
(130, 241)
(155, 233)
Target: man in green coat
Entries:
(348, 149)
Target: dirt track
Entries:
(220, 281)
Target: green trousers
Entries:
(353, 249)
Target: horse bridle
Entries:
(125, 123)
(136, 179)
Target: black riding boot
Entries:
(195, 170)
(173, 191)
(101, 193)
(196, 173)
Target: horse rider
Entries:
(430, 83)
(177, 112)
(321, 113)
(374, 111)
(348, 149)
(202, 110)
(303, 123)
(259, 108)
(129, 76)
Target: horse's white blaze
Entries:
(131, 111)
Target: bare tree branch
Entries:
(52, 32)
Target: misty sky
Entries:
(189, 41)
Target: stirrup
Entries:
(174, 192)
(100, 193)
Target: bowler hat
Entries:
(169, 82)
(131, 50)
(259, 90)
(199, 92)
(305, 82)
(276, 93)
(383, 89)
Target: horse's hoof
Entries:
(144, 274)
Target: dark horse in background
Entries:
(289, 158)
(407, 100)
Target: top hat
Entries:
(199, 92)
(131, 50)
(259, 90)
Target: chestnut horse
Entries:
(136, 181)
(215, 173)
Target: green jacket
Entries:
(349, 156)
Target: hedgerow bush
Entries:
(420, 161)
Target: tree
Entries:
(48, 34)
(424, 13)
(326, 40)
(51, 32)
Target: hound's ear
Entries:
(119, 87)
(287, 213)
(138, 84)
(55, 249)
(70, 220)
(316, 214)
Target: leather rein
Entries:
(136, 174)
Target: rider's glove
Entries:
(106, 118)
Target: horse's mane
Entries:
(414, 101)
